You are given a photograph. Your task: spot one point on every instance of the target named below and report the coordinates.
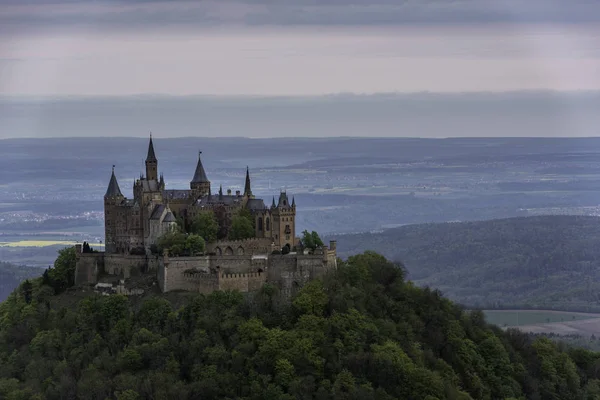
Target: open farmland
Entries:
(546, 322)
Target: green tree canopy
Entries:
(206, 225)
(242, 226)
(360, 332)
(311, 240)
(181, 244)
(62, 275)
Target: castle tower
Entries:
(247, 189)
(151, 163)
(112, 199)
(200, 184)
(284, 221)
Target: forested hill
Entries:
(11, 275)
(360, 333)
(546, 262)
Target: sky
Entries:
(265, 48)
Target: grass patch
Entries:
(531, 317)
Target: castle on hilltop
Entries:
(134, 226)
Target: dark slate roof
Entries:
(169, 217)
(157, 212)
(151, 156)
(247, 189)
(149, 186)
(283, 200)
(113, 187)
(219, 199)
(256, 204)
(176, 193)
(200, 174)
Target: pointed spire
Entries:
(220, 192)
(273, 205)
(113, 186)
(209, 192)
(151, 155)
(247, 190)
(293, 202)
(200, 174)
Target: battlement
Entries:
(241, 275)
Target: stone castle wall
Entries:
(205, 274)
(242, 247)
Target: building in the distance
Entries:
(133, 226)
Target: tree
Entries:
(206, 225)
(241, 227)
(311, 240)
(223, 221)
(194, 244)
(62, 275)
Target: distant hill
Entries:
(11, 275)
(542, 262)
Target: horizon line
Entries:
(251, 96)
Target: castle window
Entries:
(287, 229)
(268, 224)
(260, 224)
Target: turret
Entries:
(200, 183)
(112, 198)
(247, 189)
(284, 221)
(113, 192)
(151, 163)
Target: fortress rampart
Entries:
(245, 272)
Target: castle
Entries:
(133, 227)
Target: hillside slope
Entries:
(12, 275)
(545, 262)
(361, 333)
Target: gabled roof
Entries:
(169, 217)
(157, 212)
(200, 174)
(151, 156)
(113, 186)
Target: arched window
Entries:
(268, 224)
(260, 224)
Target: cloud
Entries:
(41, 14)
(520, 114)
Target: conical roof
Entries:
(200, 174)
(151, 155)
(113, 186)
(247, 190)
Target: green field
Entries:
(531, 317)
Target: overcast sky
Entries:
(295, 47)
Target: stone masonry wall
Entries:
(241, 247)
(87, 268)
(124, 264)
(245, 282)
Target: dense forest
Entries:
(11, 275)
(362, 332)
(549, 262)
